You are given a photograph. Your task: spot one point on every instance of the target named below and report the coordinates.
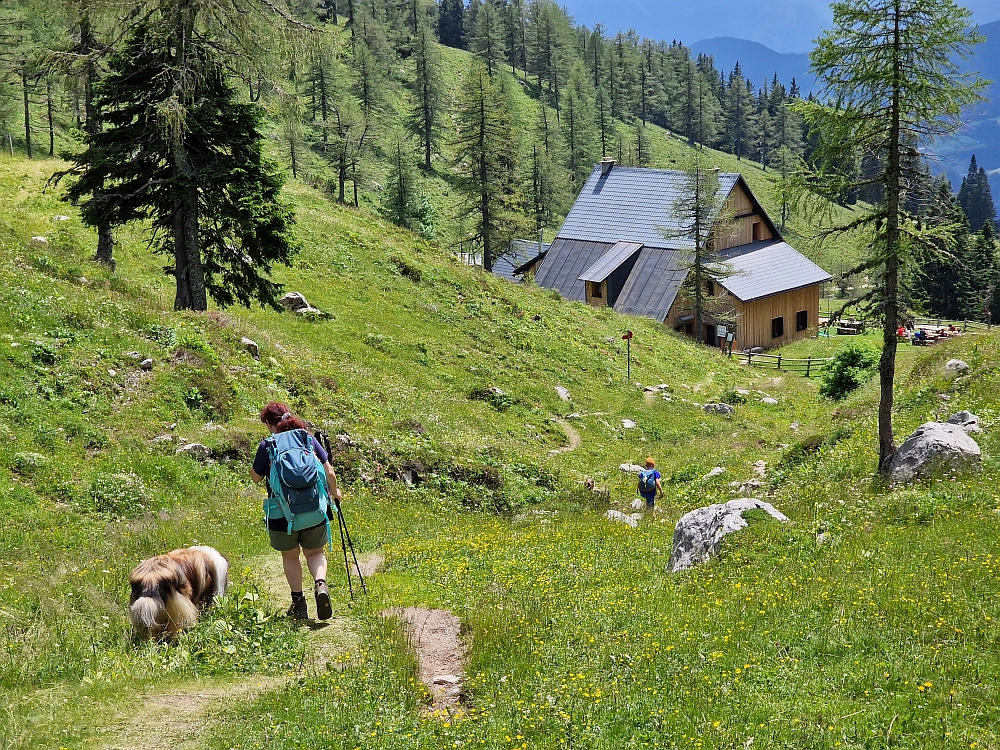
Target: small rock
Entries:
(638, 504)
(163, 439)
(574, 415)
(446, 679)
(134, 355)
(630, 468)
(251, 346)
(628, 424)
(112, 373)
(563, 393)
(944, 397)
(821, 537)
(617, 515)
(714, 472)
(146, 364)
(794, 427)
(60, 217)
(967, 421)
(83, 280)
(39, 241)
(956, 367)
(769, 401)
(759, 468)
(743, 391)
(196, 451)
(724, 409)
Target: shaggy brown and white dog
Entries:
(168, 591)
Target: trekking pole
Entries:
(345, 534)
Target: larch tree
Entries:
(698, 216)
(486, 156)
(890, 82)
(425, 114)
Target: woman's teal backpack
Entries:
(297, 481)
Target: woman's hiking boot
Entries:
(323, 609)
(298, 610)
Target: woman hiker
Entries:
(312, 539)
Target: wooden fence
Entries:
(808, 367)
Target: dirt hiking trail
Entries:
(571, 435)
(436, 637)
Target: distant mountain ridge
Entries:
(759, 63)
(979, 136)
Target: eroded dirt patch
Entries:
(435, 635)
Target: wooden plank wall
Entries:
(754, 324)
(742, 231)
(601, 301)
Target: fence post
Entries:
(749, 359)
(809, 362)
(965, 325)
(779, 362)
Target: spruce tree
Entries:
(976, 198)
(202, 182)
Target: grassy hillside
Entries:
(867, 622)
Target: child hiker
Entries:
(649, 483)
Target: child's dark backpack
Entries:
(647, 480)
(297, 479)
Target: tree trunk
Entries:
(105, 235)
(887, 363)
(51, 120)
(27, 113)
(191, 293)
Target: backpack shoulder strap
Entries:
(274, 482)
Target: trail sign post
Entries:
(628, 348)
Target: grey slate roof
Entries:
(768, 267)
(653, 284)
(608, 262)
(564, 263)
(632, 204)
(516, 255)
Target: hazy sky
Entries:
(782, 25)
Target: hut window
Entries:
(595, 289)
(801, 320)
(777, 328)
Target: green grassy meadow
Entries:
(867, 622)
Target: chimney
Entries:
(606, 164)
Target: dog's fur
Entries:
(169, 591)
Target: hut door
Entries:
(710, 335)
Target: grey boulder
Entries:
(196, 451)
(725, 409)
(956, 367)
(699, 533)
(625, 518)
(296, 302)
(967, 421)
(933, 449)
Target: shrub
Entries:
(122, 495)
(27, 463)
(850, 368)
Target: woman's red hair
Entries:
(280, 416)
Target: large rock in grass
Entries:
(296, 302)
(934, 449)
(699, 533)
(956, 367)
